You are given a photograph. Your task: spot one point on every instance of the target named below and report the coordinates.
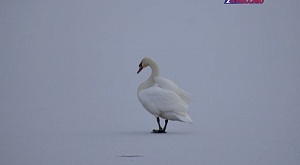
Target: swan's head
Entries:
(144, 63)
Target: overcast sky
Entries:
(68, 80)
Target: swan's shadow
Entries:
(139, 133)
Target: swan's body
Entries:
(162, 97)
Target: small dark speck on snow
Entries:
(130, 156)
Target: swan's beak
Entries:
(140, 69)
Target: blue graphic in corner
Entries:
(244, 1)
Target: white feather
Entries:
(162, 97)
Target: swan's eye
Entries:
(140, 64)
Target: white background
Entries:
(68, 82)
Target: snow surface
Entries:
(68, 82)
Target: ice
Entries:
(68, 82)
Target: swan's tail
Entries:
(186, 119)
(183, 116)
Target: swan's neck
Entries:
(155, 70)
(150, 81)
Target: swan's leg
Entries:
(160, 130)
(166, 123)
(158, 122)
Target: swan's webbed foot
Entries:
(158, 131)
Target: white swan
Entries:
(162, 97)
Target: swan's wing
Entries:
(171, 86)
(155, 100)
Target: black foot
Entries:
(158, 131)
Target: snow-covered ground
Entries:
(68, 82)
